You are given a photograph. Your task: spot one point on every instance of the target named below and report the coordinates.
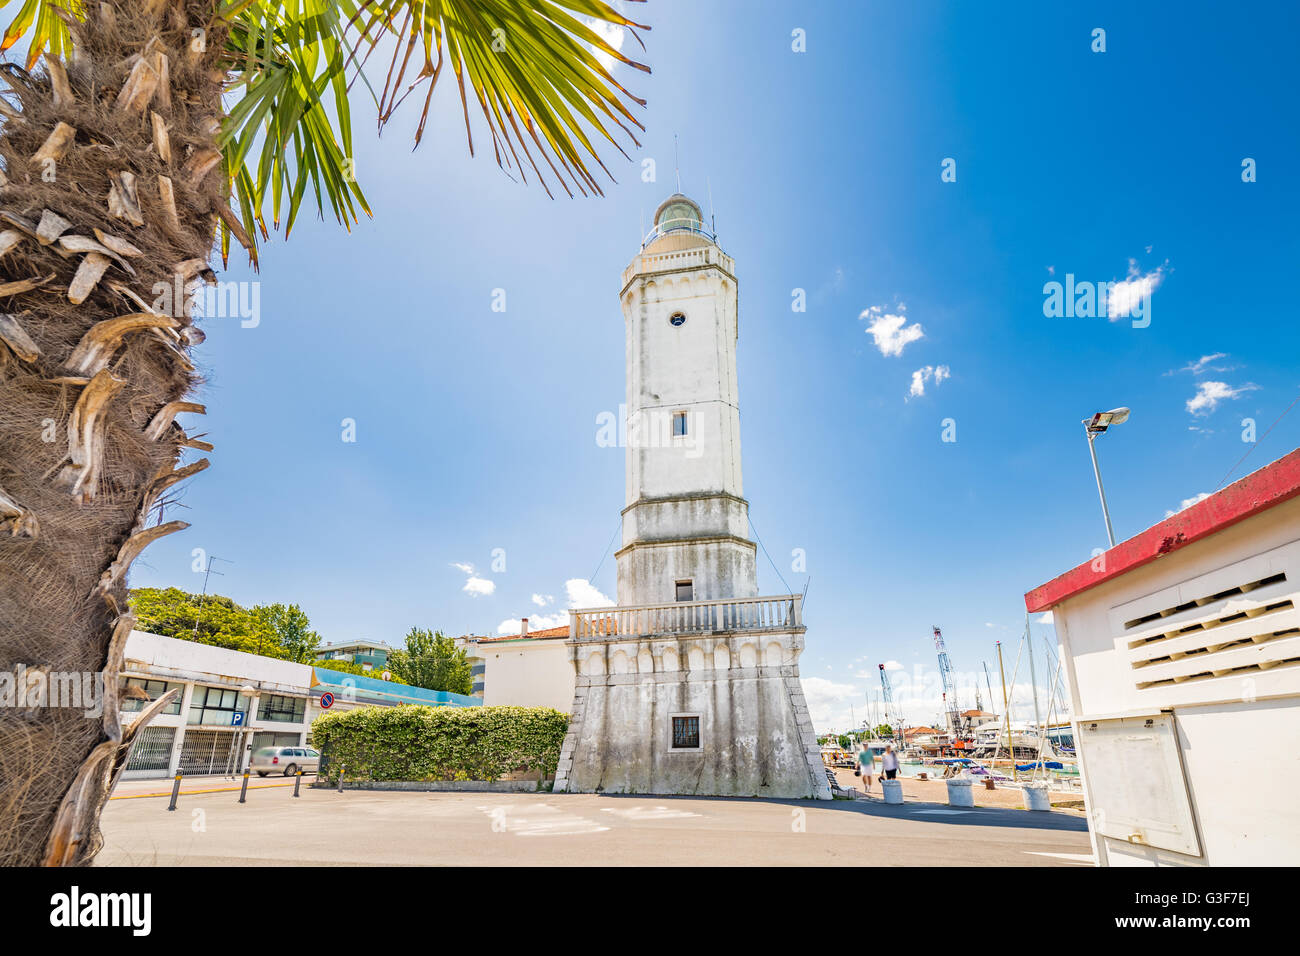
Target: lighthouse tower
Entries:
(690, 684)
(686, 521)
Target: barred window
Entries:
(686, 733)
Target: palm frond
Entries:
(533, 67)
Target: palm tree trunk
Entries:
(112, 191)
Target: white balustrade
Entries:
(688, 617)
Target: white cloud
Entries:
(831, 704)
(1047, 618)
(478, 587)
(891, 332)
(1125, 297)
(474, 586)
(1197, 367)
(581, 594)
(536, 622)
(1209, 394)
(1187, 503)
(611, 33)
(928, 373)
(893, 666)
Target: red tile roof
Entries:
(546, 634)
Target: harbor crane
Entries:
(949, 685)
(887, 697)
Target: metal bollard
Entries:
(297, 782)
(176, 791)
(243, 789)
(341, 769)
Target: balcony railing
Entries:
(688, 617)
(667, 226)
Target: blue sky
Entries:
(475, 429)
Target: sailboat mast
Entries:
(1006, 706)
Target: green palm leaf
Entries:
(531, 66)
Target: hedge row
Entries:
(438, 743)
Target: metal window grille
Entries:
(153, 749)
(686, 733)
(210, 752)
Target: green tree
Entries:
(432, 660)
(220, 622)
(844, 741)
(292, 630)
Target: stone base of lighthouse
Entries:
(754, 733)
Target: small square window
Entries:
(686, 733)
(685, 590)
(679, 424)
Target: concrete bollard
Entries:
(1036, 797)
(892, 790)
(960, 793)
(176, 791)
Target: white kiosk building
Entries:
(1181, 647)
(690, 685)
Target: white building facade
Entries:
(691, 683)
(231, 703)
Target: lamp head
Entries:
(1101, 421)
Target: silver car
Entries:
(285, 760)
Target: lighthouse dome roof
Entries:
(678, 224)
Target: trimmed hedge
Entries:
(438, 743)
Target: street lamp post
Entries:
(1094, 426)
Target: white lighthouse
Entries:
(686, 521)
(690, 684)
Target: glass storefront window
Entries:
(132, 703)
(217, 706)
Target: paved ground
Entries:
(322, 827)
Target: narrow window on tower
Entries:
(685, 590)
(686, 732)
(679, 424)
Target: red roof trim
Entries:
(1258, 491)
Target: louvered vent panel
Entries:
(1234, 622)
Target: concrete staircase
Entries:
(808, 736)
(570, 741)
